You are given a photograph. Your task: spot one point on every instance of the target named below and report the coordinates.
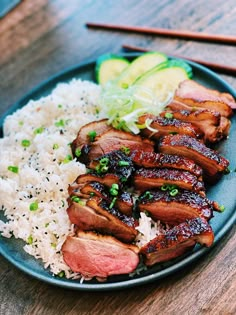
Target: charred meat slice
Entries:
(209, 122)
(100, 256)
(96, 215)
(210, 160)
(86, 135)
(165, 126)
(113, 140)
(115, 162)
(160, 160)
(124, 200)
(196, 95)
(177, 241)
(123, 226)
(145, 179)
(176, 209)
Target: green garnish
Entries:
(102, 167)
(123, 163)
(55, 146)
(164, 187)
(60, 123)
(222, 208)
(21, 123)
(34, 206)
(38, 130)
(174, 192)
(59, 106)
(53, 245)
(112, 203)
(13, 169)
(168, 115)
(30, 240)
(92, 134)
(61, 274)
(75, 199)
(114, 189)
(78, 152)
(125, 150)
(25, 143)
(67, 159)
(91, 194)
(148, 195)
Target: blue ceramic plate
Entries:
(224, 192)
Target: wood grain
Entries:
(40, 38)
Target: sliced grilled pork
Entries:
(81, 180)
(100, 256)
(124, 200)
(177, 241)
(160, 160)
(196, 95)
(96, 215)
(112, 140)
(165, 126)
(212, 163)
(176, 209)
(145, 179)
(115, 162)
(209, 122)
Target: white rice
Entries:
(44, 171)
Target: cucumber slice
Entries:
(139, 66)
(164, 79)
(108, 67)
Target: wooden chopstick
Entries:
(199, 36)
(214, 66)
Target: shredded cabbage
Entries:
(124, 106)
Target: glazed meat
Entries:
(165, 126)
(176, 209)
(145, 179)
(211, 123)
(196, 95)
(160, 160)
(115, 140)
(83, 137)
(81, 180)
(115, 162)
(124, 200)
(99, 256)
(96, 215)
(212, 163)
(177, 241)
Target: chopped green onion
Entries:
(62, 203)
(21, 123)
(164, 187)
(92, 135)
(168, 115)
(55, 146)
(123, 163)
(67, 159)
(61, 274)
(91, 194)
(222, 208)
(38, 130)
(25, 143)
(123, 179)
(78, 152)
(174, 192)
(75, 199)
(104, 161)
(60, 123)
(33, 206)
(113, 203)
(53, 245)
(125, 150)
(13, 169)
(46, 225)
(148, 195)
(59, 106)
(125, 85)
(114, 189)
(30, 240)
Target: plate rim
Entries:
(86, 286)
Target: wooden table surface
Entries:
(41, 38)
